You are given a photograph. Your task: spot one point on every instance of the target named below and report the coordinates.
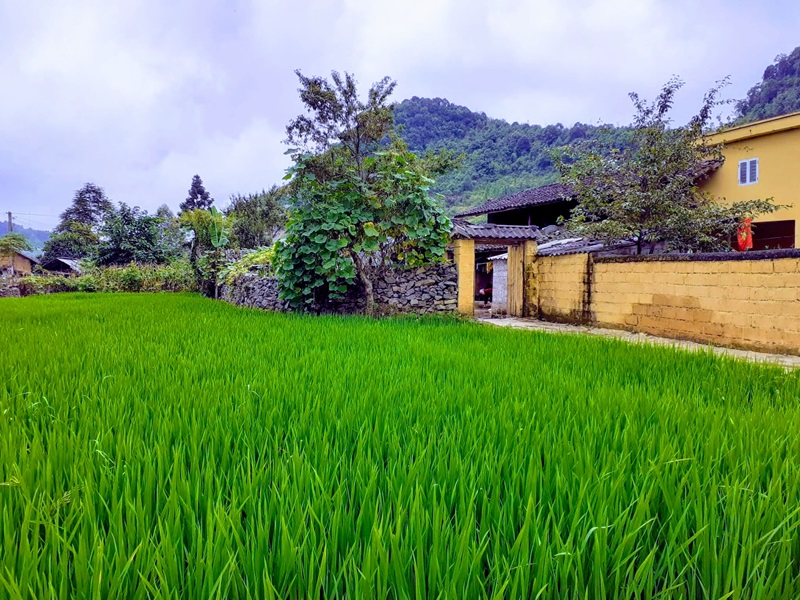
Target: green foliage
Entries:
(339, 117)
(169, 446)
(647, 193)
(257, 218)
(37, 237)
(89, 206)
(260, 261)
(170, 235)
(11, 243)
(777, 94)
(198, 198)
(71, 240)
(176, 276)
(218, 229)
(197, 223)
(358, 203)
(499, 157)
(346, 228)
(131, 235)
(76, 235)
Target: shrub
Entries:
(259, 261)
(173, 277)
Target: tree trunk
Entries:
(366, 281)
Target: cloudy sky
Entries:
(139, 95)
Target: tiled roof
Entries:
(491, 232)
(29, 256)
(546, 194)
(569, 246)
(72, 263)
(559, 192)
(706, 169)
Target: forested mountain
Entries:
(500, 157)
(36, 237)
(777, 94)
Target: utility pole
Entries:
(10, 224)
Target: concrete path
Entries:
(783, 360)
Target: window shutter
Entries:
(754, 170)
(742, 172)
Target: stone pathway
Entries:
(783, 360)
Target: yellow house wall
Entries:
(562, 287)
(22, 265)
(752, 304)
(778, 156)
(464, 258)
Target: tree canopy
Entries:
(357, 205)
(89, 206)
(76, 235)
(647, 193)
(13, 243)
(257, 218)
(198, 197)
(129, 235)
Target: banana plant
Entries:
(219, 237)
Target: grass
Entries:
(167, 446)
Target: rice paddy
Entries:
(170, 446)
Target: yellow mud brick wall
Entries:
(562, 287)
(744, 303)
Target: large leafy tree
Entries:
(357, 206)
(76, 235)
(78, 240)
(197, 225)
(338, 117)
(257, 218)
(647, 192)
(170, 235)
(129, 235)
(89, 205)
(198, 197)
(11, 244)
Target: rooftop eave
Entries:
(757, 129)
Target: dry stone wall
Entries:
(253, 291)
(426, 290)
(432, 289)
(9, 290)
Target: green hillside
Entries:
(37, 237)
(500, 157)
(777, 94)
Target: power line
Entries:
(33, 214)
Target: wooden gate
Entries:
(516, 280)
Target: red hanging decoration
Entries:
(744, 235)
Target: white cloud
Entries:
(139, 96)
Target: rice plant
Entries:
(170, 446)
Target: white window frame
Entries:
(748, 169)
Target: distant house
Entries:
(541, 206)
(22, 263)
(761, 161)
(64, 266)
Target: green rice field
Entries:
(170, 446)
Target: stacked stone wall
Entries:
(431, 289)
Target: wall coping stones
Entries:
(700, 256)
